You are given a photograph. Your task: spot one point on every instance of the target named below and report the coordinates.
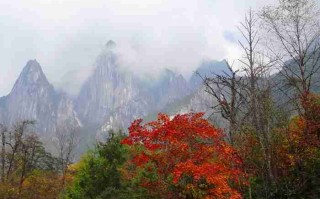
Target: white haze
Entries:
(67, 35)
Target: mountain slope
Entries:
(207, 68)
(34, 98)
(110, 95)
(113, 98)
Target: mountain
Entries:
(34, 98)
(110, 94)
(207, 68)
(113, 97)
(283, 90)
(195, 98)
(2, 109)
(110, 97)
(169, 88)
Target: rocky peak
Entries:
(32, 73)
(31, 77)
(109, 93)
(111, 45)
(34, 98)
(106, 61)
(170, 78)
(169, 88)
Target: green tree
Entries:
(98, 174)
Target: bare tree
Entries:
(257, 86)
(66, 143)
(14, 142)
(254, 65)
(293, 32)
(21, 153)
(29, 152)
(225, 89)
(244, 95)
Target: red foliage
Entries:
(311, 117)
(189, 154)
(301, 141)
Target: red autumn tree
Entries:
(311, 104)
(188, 156)
(303, 133)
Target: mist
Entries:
(67, 36)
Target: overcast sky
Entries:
(67, 35)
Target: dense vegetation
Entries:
(182, 157)
(186, 157)
(27, 170)
(271, 148)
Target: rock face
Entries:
(201, 101)
(168, 89)
(2, 109)
(111, 97)
(34, 98)
(198, 100)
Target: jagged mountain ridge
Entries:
(109, 94)
(207, 68)
(169, 88)
(109, 98)
(34, 98)
(112, 97)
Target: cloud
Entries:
(230, 36)
(71, 81)
(67, 35)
